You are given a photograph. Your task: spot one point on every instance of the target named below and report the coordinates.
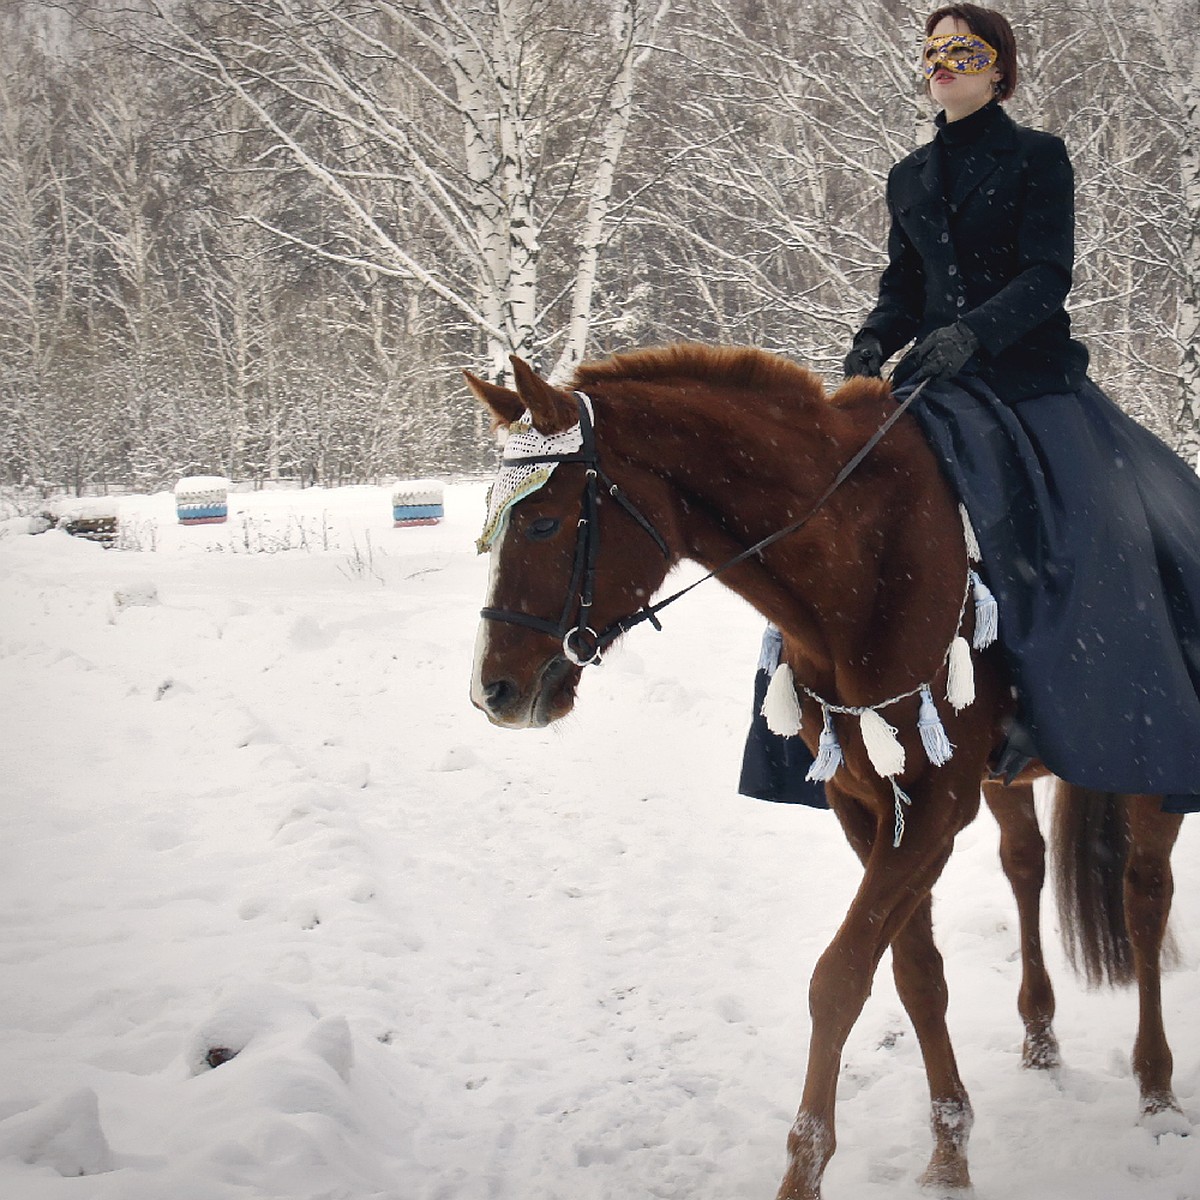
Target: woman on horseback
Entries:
(1085, 520)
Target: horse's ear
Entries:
(504, 403)
(552, 410)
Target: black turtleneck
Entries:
(957, 140)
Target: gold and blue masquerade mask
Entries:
(962, 53)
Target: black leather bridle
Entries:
(581, 644)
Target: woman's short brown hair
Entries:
(994, 28)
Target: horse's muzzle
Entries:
(552, 696)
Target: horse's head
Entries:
(568, 560)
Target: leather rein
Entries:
(581, 644)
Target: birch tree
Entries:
(1177, 40)
(1136, 144)
(463, 141)
(796, 117)
(33, 253)
(264, 235)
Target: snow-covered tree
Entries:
(1176, 32)
(470, 146)
(263, 236)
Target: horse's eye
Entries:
(542, 528)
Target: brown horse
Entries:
(698, 453)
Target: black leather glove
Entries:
(945, 352)
(865, 358)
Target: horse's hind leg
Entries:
(1149, 886)
(1023, 857)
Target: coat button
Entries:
(952, 271)
(960, 301)
(945, 237)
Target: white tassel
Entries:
(933, 733)
(780, 705)
(829, 752)
(883, 747)
(960, 684)
(987, 614)
(973, 552)
(899, 800)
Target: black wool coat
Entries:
(997, 254)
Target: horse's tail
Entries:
(1090, 846)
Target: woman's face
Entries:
(960, 95)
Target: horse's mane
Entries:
(742, 367)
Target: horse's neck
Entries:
(860, 590)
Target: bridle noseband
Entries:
(582, 645)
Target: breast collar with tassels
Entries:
(581, 644)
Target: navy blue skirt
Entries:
(1089, 528)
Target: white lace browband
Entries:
(518, 477)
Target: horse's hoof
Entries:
(946, 1191)
(947, 1181)
(1162, 1117)
(793, 1190)
(1040, 1053)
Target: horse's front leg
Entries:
(895, 885)
(1149, 887)
(921, 983)
(1023, 857)
(920, 976)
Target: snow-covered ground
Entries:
(246, 805)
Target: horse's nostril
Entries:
(499, 695)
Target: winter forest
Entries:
(262, 237)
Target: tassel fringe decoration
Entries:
(933, 733)
(883, 747)
(900, 800)
(987, 614)
(780, 705)
(960, 684)
(973, 552)
(829, 752)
